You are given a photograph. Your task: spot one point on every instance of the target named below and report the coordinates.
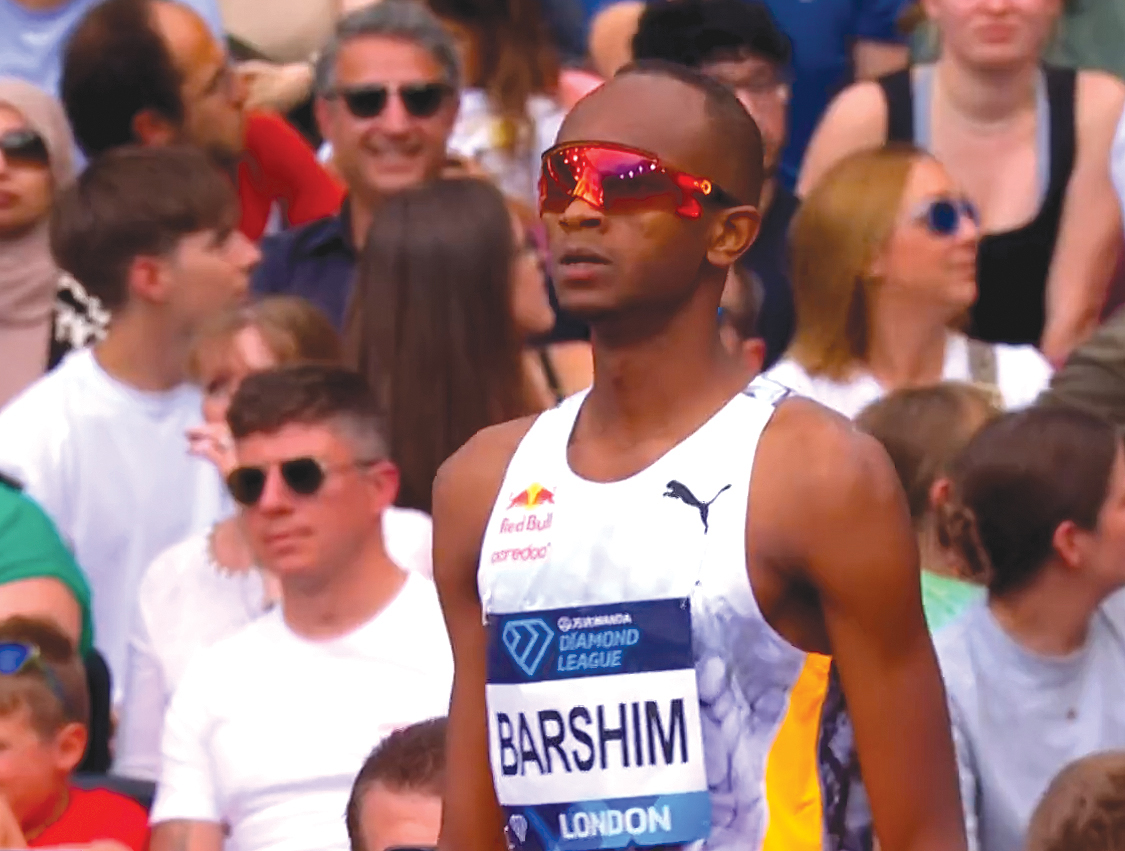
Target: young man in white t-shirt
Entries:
(99, 442)
(268, 727)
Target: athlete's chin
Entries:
(590, 307)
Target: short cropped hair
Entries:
(52, 699)
(1084, 807)
(407, 20)
(409, 760)
(117, 65)
(698, 32)
(134, 202)
(309, 394)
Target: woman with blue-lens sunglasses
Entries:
(884, 254)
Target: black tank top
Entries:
(1012, 265)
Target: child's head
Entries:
(44, 710)
(1084, 807)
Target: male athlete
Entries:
(642, 628)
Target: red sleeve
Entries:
(285, 164)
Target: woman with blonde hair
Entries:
(209, 586)
(883, 266)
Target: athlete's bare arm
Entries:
(464, 492)
(834, 565)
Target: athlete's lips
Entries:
(575, 255)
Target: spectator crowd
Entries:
(338, 338)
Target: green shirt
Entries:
(944, 598)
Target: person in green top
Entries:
(923, 429)
(38, 574)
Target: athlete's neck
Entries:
(985, 100)
(1050, 617)
(144, 351)
(656, 380)
(906, 348)
(331, 604)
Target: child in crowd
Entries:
(923, 429)
(1083, 808)
(44, 708)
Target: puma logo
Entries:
(678, 490)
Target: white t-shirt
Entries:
(188, 603)
(268, 730)
(110, 465)
(1022, 373)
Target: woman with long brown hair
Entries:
(441, 325)
(883, 264)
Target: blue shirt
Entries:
(315, 261)
(823, 33)
(32, 42)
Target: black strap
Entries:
(1061, 96)
(899, 95)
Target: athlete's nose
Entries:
(581, 214)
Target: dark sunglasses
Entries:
(615, 178)
(16, 657)
(942, 216)
(303, 476)
(421, 100)
(24, 147)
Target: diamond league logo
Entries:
(527, 642)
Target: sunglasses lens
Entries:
(246, 484)
(423, 101)
(13, 657)
(611, 180)
(367, 102)
(943, 218)
(25, 147)
(303, 475)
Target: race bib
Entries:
(594, 732)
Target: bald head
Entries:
(689, 120)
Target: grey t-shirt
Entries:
(1019, 718)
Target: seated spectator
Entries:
(442, 328)
(269, 726)
(170, 80)
(1093, 377)
(739, 309)
(738, 43)
(923, 429)
(396, 799)
(35, 165)
(210, 586)
(1029, 144)
(98, 442)
(1084, 807)
(34, 33)
(1035, 676)
(44, 708)
(510, 113)
(883, 253)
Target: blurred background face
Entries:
(209, 272)
(761, 88)
(31, 768)
(393, 150)
(25, 184)
(995, 33)
(391, 819)
(304, 537)
(531, 305)
(213, 95)
(1107, 553)
(927, 269)
(46, 598)
(222, 365)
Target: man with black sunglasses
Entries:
(387, 97)
(680, 603)
(268, 727)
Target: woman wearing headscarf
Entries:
(36, 163)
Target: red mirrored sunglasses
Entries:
(615, 179)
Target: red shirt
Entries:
(280, 168)
(97, 814)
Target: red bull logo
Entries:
(533, 497)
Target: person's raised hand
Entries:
(213, 442)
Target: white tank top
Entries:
(780, 772)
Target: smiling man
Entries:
(719, 569)
(387, 97)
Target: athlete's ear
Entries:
(732, 233)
